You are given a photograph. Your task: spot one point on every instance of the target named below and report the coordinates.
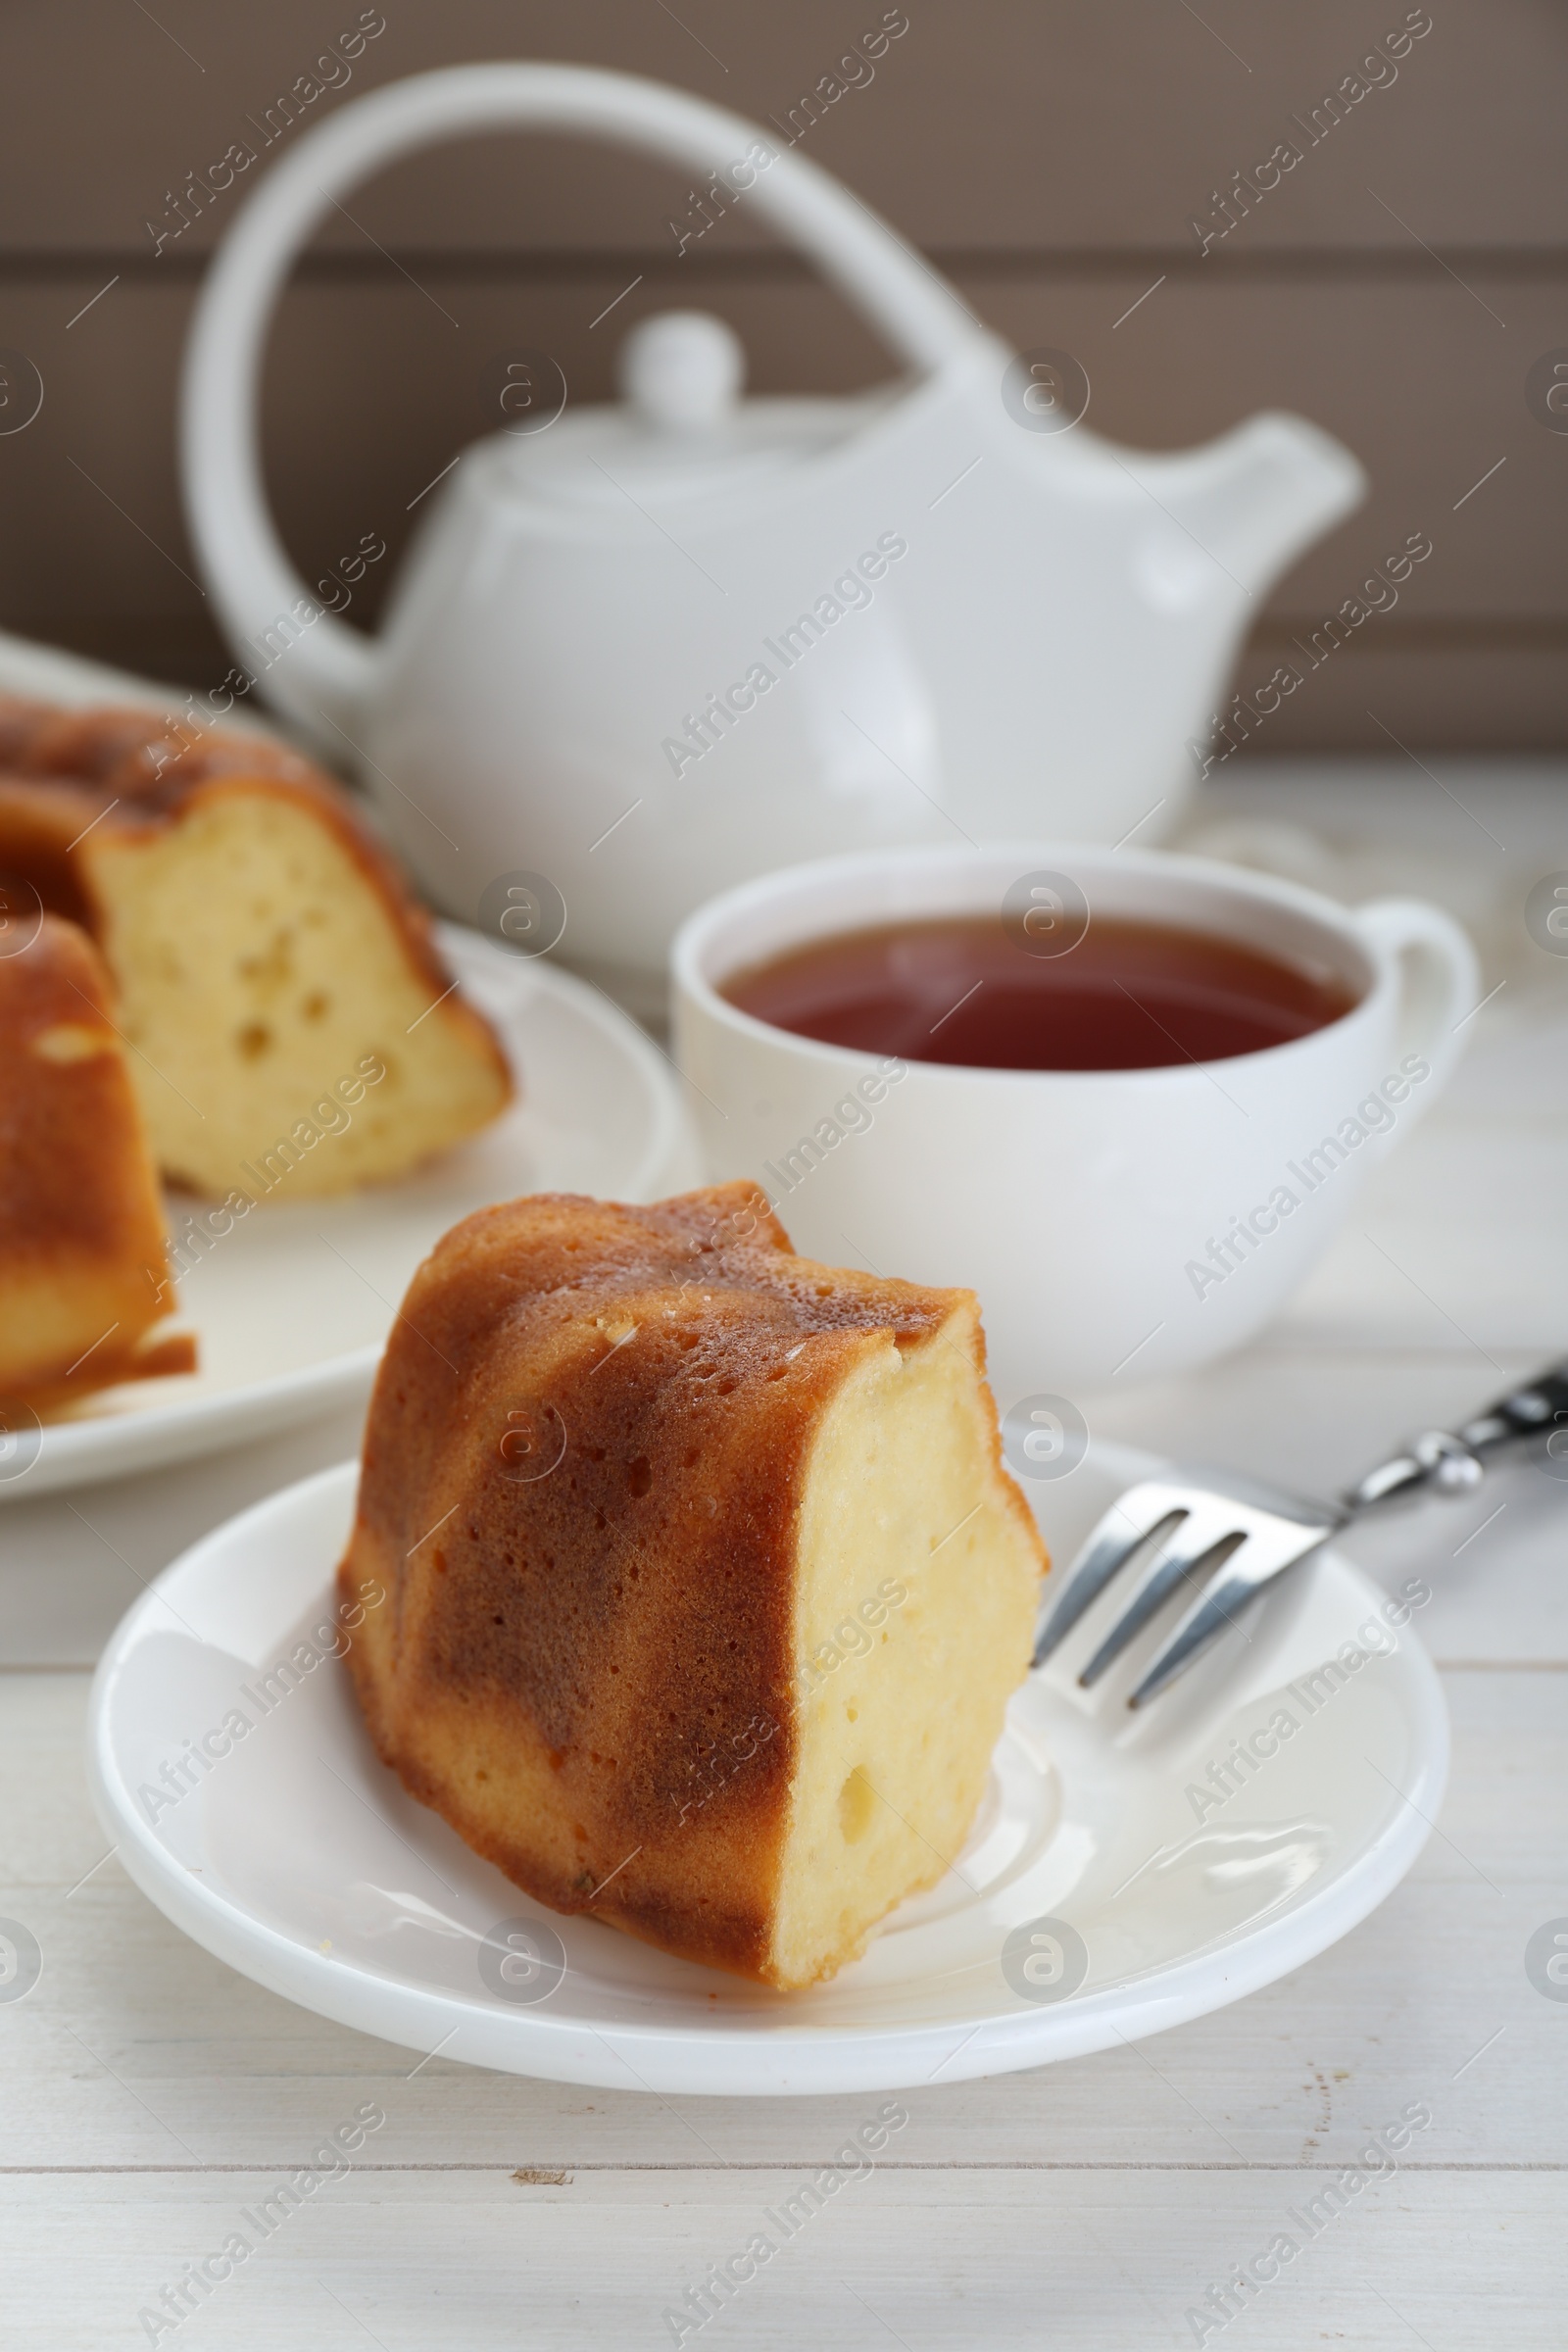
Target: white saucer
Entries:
(301, 1862)
(292, 1307)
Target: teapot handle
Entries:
(323, 672)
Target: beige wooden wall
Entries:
(1399, 285)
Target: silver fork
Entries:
(1242, 1536)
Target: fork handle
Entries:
(1452, 1461)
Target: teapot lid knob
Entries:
(682, 372)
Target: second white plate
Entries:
(292, 1307)
(1124, 1873)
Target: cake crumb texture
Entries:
(265, 948)
(707, 1588)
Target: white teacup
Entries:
(1117, 1224)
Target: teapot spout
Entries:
(1258, 496)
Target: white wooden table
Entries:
(149, 2093)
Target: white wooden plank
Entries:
(151, 2094)
(1310, 1419)
(1462, 1286)
(1091, 2262)
(138, 2049)
(1466, 1243)
(71, 1566)
(1458, 1238)
(1498, 1575)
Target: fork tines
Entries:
(1192, 1525)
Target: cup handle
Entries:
(1440, 982)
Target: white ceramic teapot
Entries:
(672, 641)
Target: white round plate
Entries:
(292, 1307)
(299, 1860)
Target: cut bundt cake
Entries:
(265, 948)
(708, 1586)
(83, 1281)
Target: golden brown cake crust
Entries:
(616, 1631)
(128, 771)
(81, 1232)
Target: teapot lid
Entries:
(680, 429)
